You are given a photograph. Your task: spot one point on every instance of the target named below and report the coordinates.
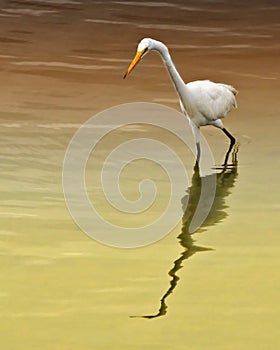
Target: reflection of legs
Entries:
(232, 142)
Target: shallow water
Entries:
(62, 62)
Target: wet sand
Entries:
(63, 62)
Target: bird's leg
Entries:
(232, 142)
(198, 153)
(234, 154)
(196, 134)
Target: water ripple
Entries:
(159, 26)
(169, 5)
(63, 65)
(30, 12)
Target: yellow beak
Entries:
(136, 59)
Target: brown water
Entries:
(62, 62)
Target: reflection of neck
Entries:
(225, 180)
(174, 277)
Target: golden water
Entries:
(218, 289)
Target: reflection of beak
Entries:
(136, 59)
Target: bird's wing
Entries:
(212, 100)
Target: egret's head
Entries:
(143, 48)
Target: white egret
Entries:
(203, 102)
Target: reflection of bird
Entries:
(226, 179)
(203, 101)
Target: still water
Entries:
(61, 63)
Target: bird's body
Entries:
(210, 101)
(203, 102)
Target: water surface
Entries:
(62, 62)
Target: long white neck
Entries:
(178, 82)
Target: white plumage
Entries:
(203, 101)
(213, 101)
